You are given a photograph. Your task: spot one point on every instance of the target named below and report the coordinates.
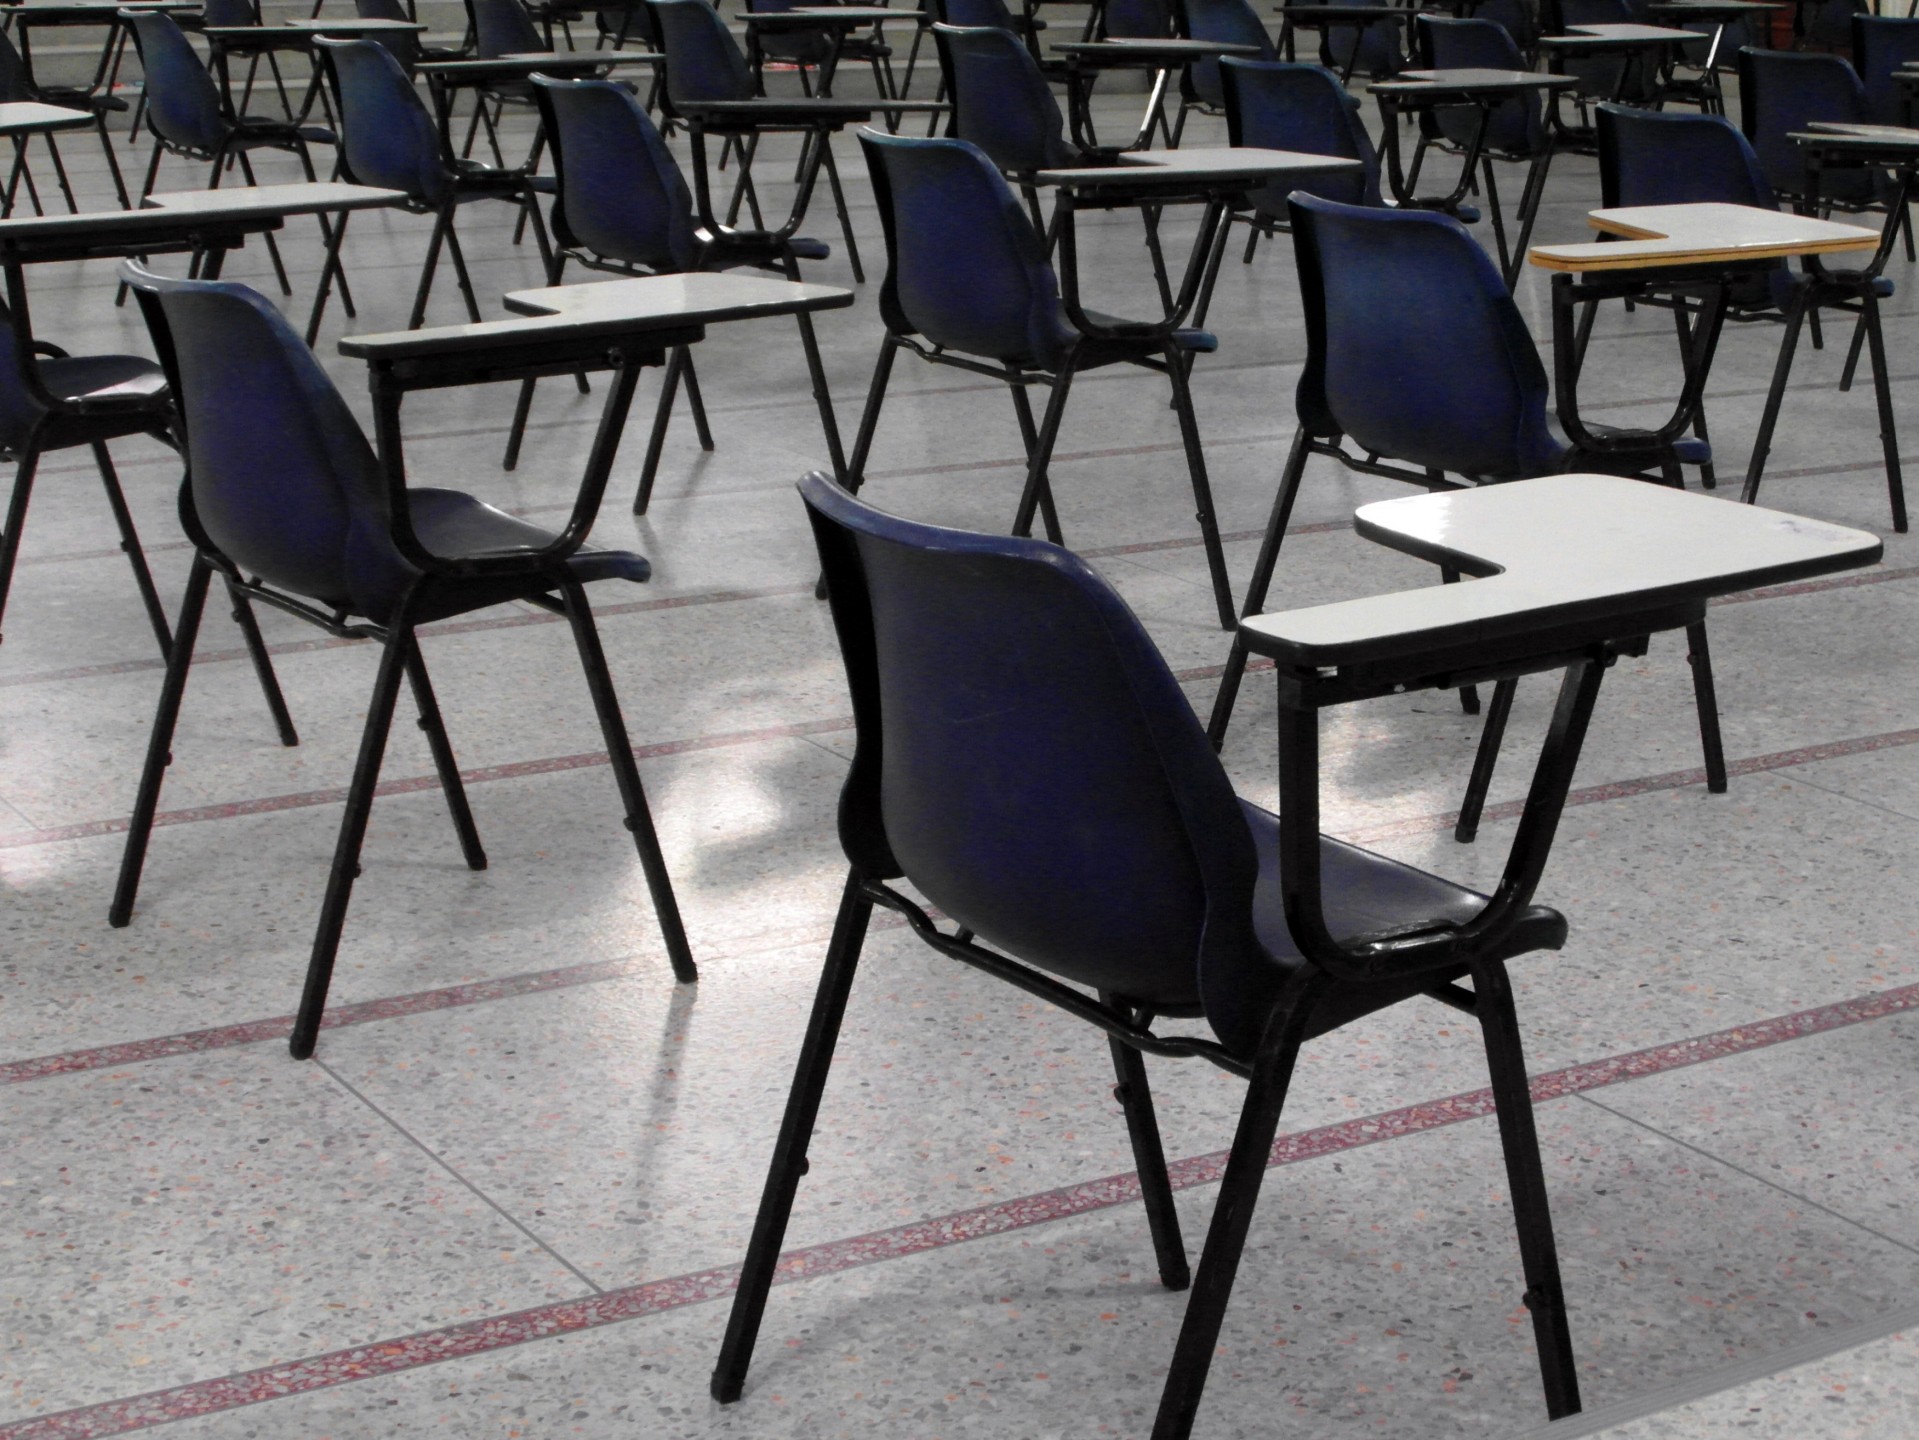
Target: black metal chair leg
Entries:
(464, 280)
(662, 417)
(1202, 488)
(1851, 366)
(1485, 760)
(160, 743)
(1468, 694)
(346, 850)
(130, 545)
(695, 402)
(870, 414)
(60, 174)
(1232, 1216)
(1682, 322)
(1781, 372)
(113, 161)
(1149, 1156)
(1029, 440)
(441, 223)
(23, 477)
(822, 396)
(1882, 393)
(330, 271)
(789, 1151)
(1039, 485)
(1157, 254)
(273, 248)
(627, 775)
(1707, 701)
(444, 765)
(1532, 1215)
(839, 203)
(243, 616)
(1260, 584)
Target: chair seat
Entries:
(264, 129)
(1687, 449)
(98, 379)
(754, 247)
(1102, 350)
(1365, 893)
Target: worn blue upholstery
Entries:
(1226, 22)
(703, 61)
(1279, 105)
(1001, 101)
(1779, 92)
(1517, 127)
(1026, 759)
(1881, 45)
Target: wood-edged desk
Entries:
(20, 121)
(1484, 90)
(1086, 59)
(618, 325)
(1702, 250)
(1575, 570)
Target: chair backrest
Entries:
(1780, 91)
(19, 410)
(1279, 105)
(502, 27)
(1516, 126)
(229, 12)
(1414, 347)
(1649, 157)
(964, 266)
(387, 138)
(16, 83)
(703, 61)
(1136, 19)
(621, 195)
(1882, 44)
(402, 45)
(1377, 45)
(1831, 21)
(973, 14)
(1025, 758)
(1001, 102)
(1225, 22)
(282, 481)
(183, 103)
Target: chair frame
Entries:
(1128, 1027)
(400, 657)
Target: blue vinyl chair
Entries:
(1881, 45)
(1372, 50)
(1780, 91)
(967, 285)
(623, 207)
(1028, 764)
(286, 500)
(17, 85)
(703, 62)
(503, 27)
(188, 117)
(1417, 353)
(388, 139)
(1649, 159)
(1002, 103)
(1516, 129)
(1225, 22)
(1280, 105)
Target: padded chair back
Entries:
(502, 27)
(1649, 157)
(1001, 102)
(1781, 91)
(1415, 349)
(1278, 105)
(1225, 22)
(703, 61)
(1881, 45)
(402, 45)
(281, 479)
(183, 103)
(387, 138)
(621, 195)
(1025, 758)
(1517, 126)
(964, 267)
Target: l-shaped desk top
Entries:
(1559, 550)
(1701, 234)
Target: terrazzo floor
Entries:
(508, 1196)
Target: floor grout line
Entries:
(652, 1297)
(474, 1190)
